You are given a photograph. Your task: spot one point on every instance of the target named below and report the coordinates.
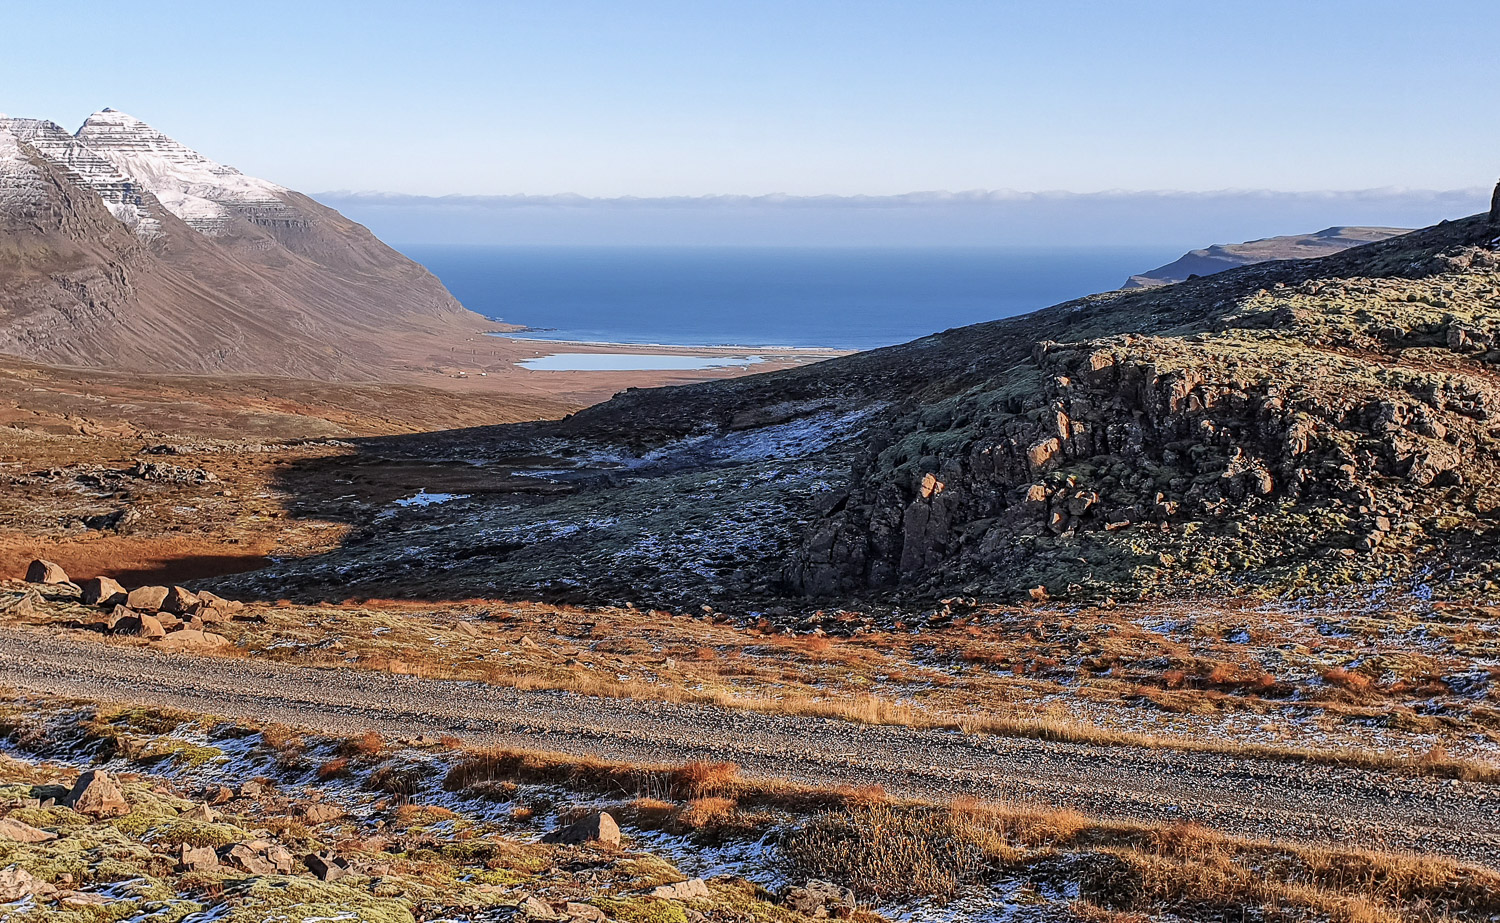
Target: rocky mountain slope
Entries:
(1219, 257)
(123, 248)
(1295, 425)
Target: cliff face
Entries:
(177, 263)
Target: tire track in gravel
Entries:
(1250, 797)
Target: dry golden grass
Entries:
(892, 848)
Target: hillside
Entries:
(1298, 425)
(1219, 257)
(125, 249)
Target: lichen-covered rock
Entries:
(98, 795)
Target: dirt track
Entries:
(1248, 797)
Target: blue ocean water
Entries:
(834, 297)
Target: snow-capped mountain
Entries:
(202, 192)
(125, 198)
(121, 247)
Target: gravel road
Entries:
(1245, 796)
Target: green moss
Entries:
(53, 818)
(642, 910)
(294, 900)
(648, 871)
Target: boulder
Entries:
(96, 794)
(820, 899)
(201, 813)
(19, 832)
(146, 598)
(143, 626)
(191, 639)
(598, 827)
(45, 572)
(196, 858)
(326, 866)
(16, 883)
(179, 601)
(694, 889)
(103, 591)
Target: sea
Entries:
(836, 298)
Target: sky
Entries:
(808, 98)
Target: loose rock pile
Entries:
(171, 617)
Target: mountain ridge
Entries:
(215, 278)
(1218, 257)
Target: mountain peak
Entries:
(126, 199)
(202, 192)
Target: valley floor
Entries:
(1155, 733)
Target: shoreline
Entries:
(827, 351)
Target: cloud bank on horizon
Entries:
(984, 218)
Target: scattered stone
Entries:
(201, 813)
(96, 794)
(251, 789)
(694, 889)
(20, 832)
(45, 572)
(588, 913)
(534, 908)
(326, 866)
(103, 591)
(527, 643)
(260, 857)
(218, 794)
(146, 598)
(598, 827)
(1038, 594)
(319, 812)
(196, 858)
(820, 899)
(16, 883)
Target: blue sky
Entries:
(653, 98)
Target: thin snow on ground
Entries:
(423, 498)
